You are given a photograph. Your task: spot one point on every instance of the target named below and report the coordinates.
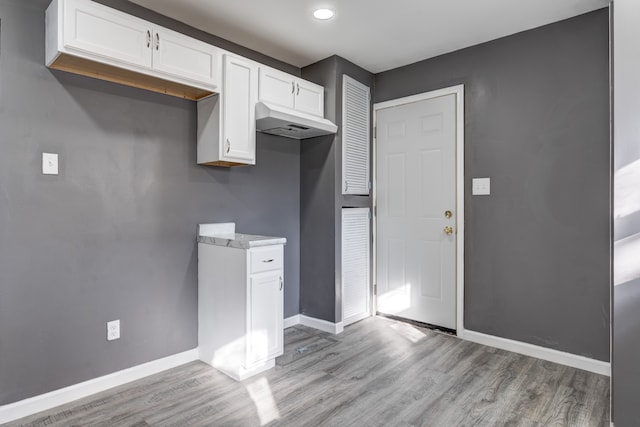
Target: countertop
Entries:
(224, 234)
(241, 241)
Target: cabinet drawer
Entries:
(266, 258)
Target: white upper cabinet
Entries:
(356, 126)
(240, 97)
(182, 56)
(309, 98)
(97, 30)
(91, 39)
(276, 87)
(227, 121)
(289, 91)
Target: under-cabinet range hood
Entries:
(276, 120)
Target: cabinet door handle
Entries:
(281, 283)
(148, 38)
(298, 92)
(267, 260)
(228, 146)
(293, 87)
(346, 186)
(157, 41)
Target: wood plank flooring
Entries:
(378, 372)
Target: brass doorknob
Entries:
(448, 231)
(448, 214)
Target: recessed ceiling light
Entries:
(323, 14)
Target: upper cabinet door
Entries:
(309, 98)
(292, 92)
(240, 95)
(184, 57)
(101, 31)
(276, 87)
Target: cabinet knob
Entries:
(228, 146)
(293, 87)
(148, 38)
(298, 92)
(157, 41)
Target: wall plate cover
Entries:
(49, 164)
(113, 330)
(481, 186)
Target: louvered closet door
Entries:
(355, 137)
(356, 252)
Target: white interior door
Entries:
(416, 188)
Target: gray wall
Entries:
(321, 198)
(626, 324)
(318, 225)
(536, 122)
(113, 236)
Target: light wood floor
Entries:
(378, 372)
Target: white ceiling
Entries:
(376, 34)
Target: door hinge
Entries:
(375, 289)
(369, 185)
(369, 214)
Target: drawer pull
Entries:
(268, 260)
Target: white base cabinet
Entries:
(240, 308)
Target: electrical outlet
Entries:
(113, 330)
(481, 186)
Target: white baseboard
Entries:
(556, 356)
(33, 405)
(291, 321)
(323, 325)
(312, 322)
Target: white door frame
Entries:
(458, 91)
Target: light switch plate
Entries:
(481, 186)
(49, 164)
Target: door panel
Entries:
(240, 97)
(181, 56)
(356, 248)
(276, 87)
(416, 184)
(309, 98)
(265, 317)
(104, 32)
